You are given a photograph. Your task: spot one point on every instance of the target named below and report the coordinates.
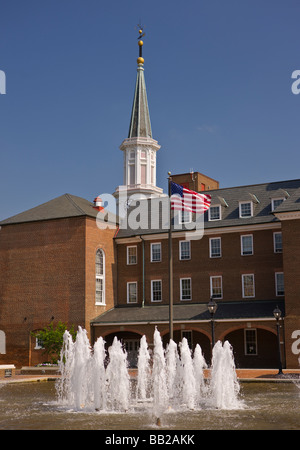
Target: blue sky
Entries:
(218, 76)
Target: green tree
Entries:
(52, 339)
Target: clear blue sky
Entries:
(218, 76)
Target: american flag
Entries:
(183, 199)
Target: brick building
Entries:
(57, 264)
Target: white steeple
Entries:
(139, 149)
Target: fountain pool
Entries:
(34, 406)
(95, 391)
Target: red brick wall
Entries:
(47, 269)
(291, 267)
(99, 239)
(263, 264)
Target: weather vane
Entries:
(140, 59)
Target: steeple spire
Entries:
(139, 149)
(140, 125)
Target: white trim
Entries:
(100, 277)
(209, 211)
(274, 243)
(276, 284)
(243, 290)
(190, 252)
(156, 301)
(207, 232)
(128, 283)
(186, 299)
(151, 253)
(131, 263)
(245, 346)
(210, 254)
(211, 287)
(274, 199)
(252, 246)
(158, 322)
(290, 215)
(251, 209)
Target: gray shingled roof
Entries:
(66, 205)
(260, 194)
(193, 312)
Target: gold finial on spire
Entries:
(140, 59)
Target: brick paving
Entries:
(242, 374)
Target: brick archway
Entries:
(262, 352)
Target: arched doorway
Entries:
(193, 337)
(254, 348)
(130, 342)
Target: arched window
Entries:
(100, 277)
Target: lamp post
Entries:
(212, 308)
(277, 315)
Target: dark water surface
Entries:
(266, 406)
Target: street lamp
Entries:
(212, 308)
(277, 315)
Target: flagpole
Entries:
(170, 262)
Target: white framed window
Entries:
(250, 341)
(277, 241)
(184, 250)
(276, 202)
(247, 244)
(215, 250)
(132, 254)
(185, 289)
(216, 289)
(38, 343)
(156, 252)
(100, 277)
(156, 291)
(132, 292)
(185, 216)
(214, 213)
(279, 284)
(246, 209)
(248, 285)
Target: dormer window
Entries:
(214, 213)
(246, 209)
(276, 202)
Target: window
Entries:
(132, 254)
(100, 277)
(276, 202)
(277, 240)
(132, 292)
(38, 343)
(214, 212)
(246, 209)
(279, 283)
(248, 285)
(185, 216)
(247, 244)
(215, 247)
(216, 290)
(250, 341)
(131, 174)
(185, 289)
(156, 295)
(156, 252)
(184, 250)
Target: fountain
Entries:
(168, 380)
